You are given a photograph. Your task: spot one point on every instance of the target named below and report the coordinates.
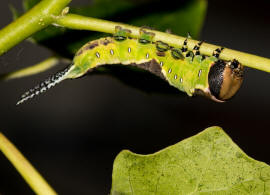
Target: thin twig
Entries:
(74, 21)
(23, 166)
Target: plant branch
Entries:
(87, 23)
(31, 70)
(39, 17)
(28, 172)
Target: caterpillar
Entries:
(188, 71)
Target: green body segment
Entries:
(186, 74)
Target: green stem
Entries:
(87, 23)
(28, 172)
(31, 70)
(39, 17)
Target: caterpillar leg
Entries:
(184, 47)
(217, 52)
(121, 34)
(146, 37)
(196, 49)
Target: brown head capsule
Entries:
(224, 79)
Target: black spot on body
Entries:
(215, 77)
(91, 45)
(105, 42)
(79, 52)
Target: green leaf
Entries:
(207, 163)
(14, 12)
(188, 18)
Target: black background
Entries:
(72, 133)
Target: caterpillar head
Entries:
(224, 79)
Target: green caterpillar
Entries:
(188, 71)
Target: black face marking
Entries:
(177, 54)
(215, 77)
(197, 53)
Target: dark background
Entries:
(72, 133)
